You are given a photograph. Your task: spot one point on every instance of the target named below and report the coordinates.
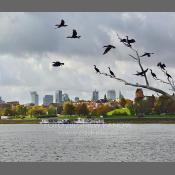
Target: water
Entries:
(62, 143)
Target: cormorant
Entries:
(153, 74)
(57, 64)
(108, 48)
(129, 41)
(62, 24)
(96, 69)
(141, 73)
(162, 66)
(168, 75)
(147, 54)
(112, 73)
(74, 34)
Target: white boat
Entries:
(81, 121)
(51, 121)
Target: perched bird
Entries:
(108, 48)
(62, 24)
(147, 54)
(74, 34)
(168, 75)
(162, 66)
(129, 41)
(153, 74)
(112, 73)
(141, 73)
(57, 64)
(96, 69)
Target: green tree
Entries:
(68, 108)
(81, 109)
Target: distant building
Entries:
(34, 98)
(13, 103)
(120, 95)
(111, 95)
(95, 95)
(77, 99)
(65, 97)
(58, 97)
(1, 101)
(47, 100)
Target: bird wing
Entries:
(107, 50)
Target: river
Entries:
(92, 143)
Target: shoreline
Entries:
(107, 121)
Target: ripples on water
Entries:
(116, 143)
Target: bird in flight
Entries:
(62, 24)
(146, 54)
(74, 34)
(129, 41)
(141, 73)
(153, 74)
(108, 48)
(162, 66)
(57, 64)
(112, 73)
(96, 69)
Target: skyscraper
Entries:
(111, 95)
(58, 97)
(34, 98)
(95, 95)
(65, 97)
(47, 100)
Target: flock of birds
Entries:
(128, 42)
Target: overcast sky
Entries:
(29, 43)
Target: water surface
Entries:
(108, 142)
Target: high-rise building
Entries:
(58, 97)
(1, 101)
(47, 100)
(65, 97)
(77, 99)
(95, 95)
(111, 95)
(120, 95)
(34, 98)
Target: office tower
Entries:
(77, 99)
(111, 95)
(58, 97)
(47, 100)
(65, 97)
(95, 95)
(120, 95)
(34, 98)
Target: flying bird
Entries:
(57, 64)
(147, 54)
(108, 48)
(153, 74)
(129, 41)
(62, 24)
(141, 73)
(96, 69)
(112, 73)
(74, 34)
(162, 66)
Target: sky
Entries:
(29, 43)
